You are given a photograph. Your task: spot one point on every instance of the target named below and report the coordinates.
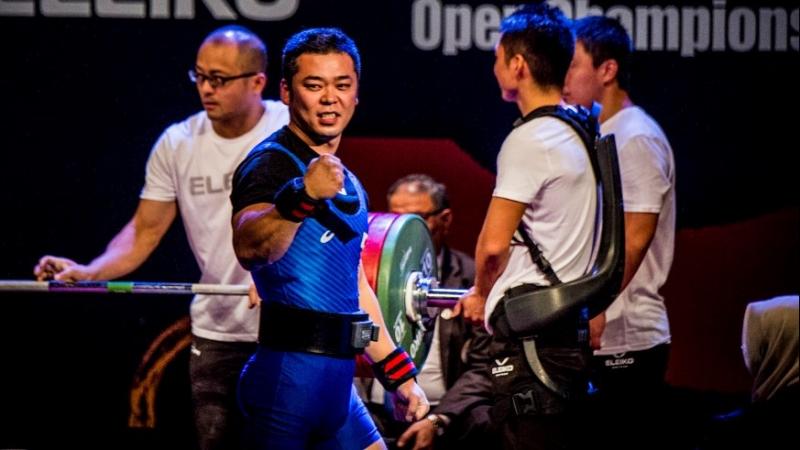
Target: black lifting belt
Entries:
(285, 328)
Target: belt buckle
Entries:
(363, 333)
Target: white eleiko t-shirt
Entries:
(191, 164)
(637, 319)
(543, 163)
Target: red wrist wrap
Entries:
(395, 369)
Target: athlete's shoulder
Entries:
(269, 156)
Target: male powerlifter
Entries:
(299, 220)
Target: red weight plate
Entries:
(379, 224)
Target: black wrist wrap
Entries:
(293, 203)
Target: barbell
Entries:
(398, 258)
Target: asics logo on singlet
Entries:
(327, 236)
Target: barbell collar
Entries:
(422, 293)
(445, 295)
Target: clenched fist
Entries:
(324, 178)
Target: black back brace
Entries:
(531, 311)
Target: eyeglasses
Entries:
(427, 215)
(216, 81)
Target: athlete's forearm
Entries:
(368, 302)
(261, 235)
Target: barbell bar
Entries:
(398, 259)
(122, 287)
(431, 297)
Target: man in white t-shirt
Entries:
(190, 170)
(545, 181)
(632, 337)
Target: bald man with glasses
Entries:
(190, 170)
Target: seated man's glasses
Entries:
(427, 215)
(216, 81)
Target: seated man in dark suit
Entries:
(458, 350)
